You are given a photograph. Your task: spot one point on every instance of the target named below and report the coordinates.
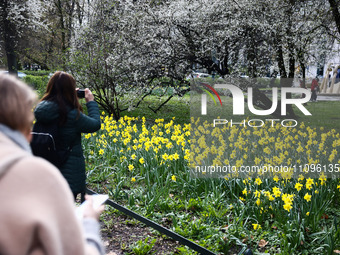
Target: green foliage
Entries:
(37, 73)
(143, 247)
(183, 250)
(39, 83)
(220, 214)
(177, 107)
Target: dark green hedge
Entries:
(37, 73)
(37, 82)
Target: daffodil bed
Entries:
(146, 168)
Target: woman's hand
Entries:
(88, 95)
(89, 211)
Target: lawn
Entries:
(178, 107)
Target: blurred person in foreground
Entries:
(37, 212)
(60, 103)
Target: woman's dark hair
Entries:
(61, 89)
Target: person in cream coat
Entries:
(37, 212)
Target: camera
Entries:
(81, 93)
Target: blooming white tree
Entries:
(39, 31)
(123, 52)
(16, 17)
(138, 46)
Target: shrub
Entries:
(37, 82)
(37, 73)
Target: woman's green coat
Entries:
(74, 168)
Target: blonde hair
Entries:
(16, 101)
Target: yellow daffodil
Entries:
(256, 226)
(173, 178)
(307, 197)
(141, 160)
(287, 207)
(258, 181)
(258, 202)
(298, 186)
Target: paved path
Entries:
(328, 98)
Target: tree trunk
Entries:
(279, 58)
(335, 12)
(9, 36)
(225, 65)
(62, 30)
(284, 82)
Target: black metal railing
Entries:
(157, 227)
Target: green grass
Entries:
(177, 107)
(324, 114)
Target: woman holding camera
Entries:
(60, 103)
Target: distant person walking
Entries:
(314, 88)
(60, 103)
